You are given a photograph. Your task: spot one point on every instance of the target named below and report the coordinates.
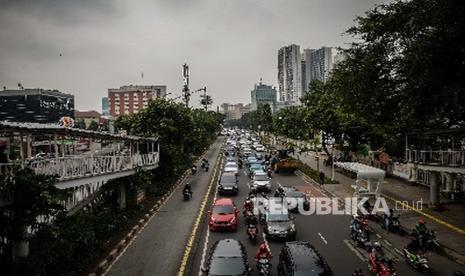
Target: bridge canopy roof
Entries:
(362, 170)
(47, 129)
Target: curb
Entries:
(132, 234)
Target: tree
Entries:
(405, 71)
(290, 123)
(80, 124)
(93, 126)
(30, 196)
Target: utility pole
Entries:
(206, 99)
(185, 90)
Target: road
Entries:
(160, 247)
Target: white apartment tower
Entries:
(290, 74)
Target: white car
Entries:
(261, 182)
(231, 167)
(260, 148)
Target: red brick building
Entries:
(131, 99)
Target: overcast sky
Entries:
(228, 44)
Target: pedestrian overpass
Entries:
(83, 160)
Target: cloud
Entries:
(229, 44)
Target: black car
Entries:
(227, 184)
(292, 192)
(301, 258)
(227, 257)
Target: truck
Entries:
(282, 163)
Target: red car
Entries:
(223, 215)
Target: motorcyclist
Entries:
(194, 169)
(263, 252)
(379, 255)
(187, 189)
(204, 162)
(248, 206)
(419, 233)
(388, 219)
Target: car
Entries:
(261, 182)
(279, 225)
(250, 159)
(227, 257)
(292, 192)
(259, 156)
(301, 258)
(260, 148)
(228, 184)
(255, 167)
(223, 215)
(230, 159)
(231, 167)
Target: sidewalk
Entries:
(449, 224)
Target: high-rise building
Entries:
(307, 58)
(105, 107)
(131, 99)
(234, 111)
(321, 63)
(35, 105)
(290, 73)
(263, 94)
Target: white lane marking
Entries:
(205, 244)
(388, 243)
(357, 253)
(379, 236)
(398, 251)
(322, 238)
(265, 241)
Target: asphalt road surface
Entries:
(160, 248)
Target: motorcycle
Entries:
(427, 241)
(248, 215)
(392, 224)
(252, 233)
(269, 172)
(360, 238)
(386, 267)
(193, 170)
(418, 261)
(264, 267)
(187, 195)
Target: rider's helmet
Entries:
(377, 245)
(421, 222)
(263, 248)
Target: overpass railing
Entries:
(70, 167)
(452, 158)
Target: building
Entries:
(320, 62)
(88, 117)
(263, 94)
(307, 61)
(105, 107)
(234, 111)
(290, 74)
(35, 105)
(131, 99)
